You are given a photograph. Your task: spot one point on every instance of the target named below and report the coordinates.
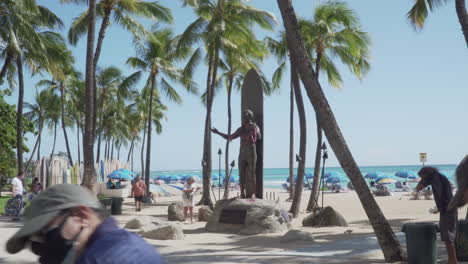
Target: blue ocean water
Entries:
(274, 178)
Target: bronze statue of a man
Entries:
(249, 134)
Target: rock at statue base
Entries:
(140, 221)
(165, 232)
(175, 212)
(204, 214)
(297, 235)
(248, 217)
(330, 218)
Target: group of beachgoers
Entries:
(21, 196)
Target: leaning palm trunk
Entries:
(296, 204)
(143, 150)
(462, 14)
(62, 95)
(291, 139)
(35, 147)
(88, 141)
(386, 237)
(316, 183)
(19, 115)
(97, 54)
(131, 148)
(226, 157)
(98, 154)
(148, 144)
(55, 140)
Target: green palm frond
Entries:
(278, 75)
(170, 92)
(418, 13)
(78, 28)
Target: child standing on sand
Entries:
(188, 192)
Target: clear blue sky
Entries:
(413, 99)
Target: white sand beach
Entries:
(332, 244)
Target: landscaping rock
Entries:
(165, 232)
(330, 218)
(261, 216)
(204, 213)
(175, 212)
(297, 235)
(140, 221)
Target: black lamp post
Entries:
(324, 157)
(219, 173)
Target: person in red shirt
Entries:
(139, 189)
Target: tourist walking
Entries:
(139, 189)
(17, 191)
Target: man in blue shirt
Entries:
(65, 224)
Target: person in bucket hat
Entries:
(66, 224)
(461, 196)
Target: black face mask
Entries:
(55, 248)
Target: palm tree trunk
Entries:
(296, 204)
(390, 245)
(112, 151)
(39, 147)
(315, 188)
(19, 115)
(291, 138)
(99, 134)
(462, 14)
(143, 150)
(55, 140)
(226, 154)
(62, 95)
(88, 141)
(150, 123)
(35, 147)
(97, 54)
(6, 64)
(315, 184)
(118, 151)
(131, 149)
(206, 161)
(78, 140)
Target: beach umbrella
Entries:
(334, 179)
(172, 178)
(161, 177)
(127, 171)
(332, 174)
(385, 180)
(232, 178)
(373, 175)
(407, 174)
(120, 175)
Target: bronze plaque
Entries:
(233, 216)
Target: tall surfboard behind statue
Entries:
(252, 99)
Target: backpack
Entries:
(12, 206)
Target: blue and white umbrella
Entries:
(334, 179)
(121, 174)
(373, 175)
(172, 178)
(406, 174)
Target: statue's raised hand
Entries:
(214, 130)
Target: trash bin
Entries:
(421, 242)
(461, 242)
(116, 207)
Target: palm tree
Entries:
(52, 116)
(420, 10)
(122, 12)
(158, 56)
(75, 108)
(334, 33)
(36, 114)
(20, 28)
(62, 81)
(221, 25)
(88, 139)
(386, 237)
